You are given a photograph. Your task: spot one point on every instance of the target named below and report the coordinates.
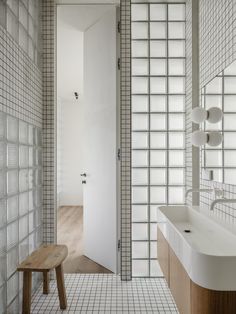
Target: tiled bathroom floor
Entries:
(106, 293)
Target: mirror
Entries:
(221, 92)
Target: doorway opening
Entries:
(87, 144)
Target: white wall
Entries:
(70, 123)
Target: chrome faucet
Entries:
(198, 191)
(221, 200)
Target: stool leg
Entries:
(27, 283)
(61, 287)
(45, 282)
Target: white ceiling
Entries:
(81, 16)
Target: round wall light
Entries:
(212, 115)
(200, 138)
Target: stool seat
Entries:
(44, 259)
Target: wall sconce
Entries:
(212, 115)
(200, 138)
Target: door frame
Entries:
(118, 192)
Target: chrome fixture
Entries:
(221, 200)
(198, 191)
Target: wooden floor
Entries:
(70, 233)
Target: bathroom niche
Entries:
(221, 92)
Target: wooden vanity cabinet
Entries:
(189, 297)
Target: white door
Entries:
(100, 143)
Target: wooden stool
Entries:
(43, 260)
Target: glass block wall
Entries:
(20, 201)
(158, 123)
(21, 19)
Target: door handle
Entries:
(83, 182)
(83, 174)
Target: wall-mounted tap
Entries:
(198, 191)
(221, 200)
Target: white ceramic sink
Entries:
(207, 252)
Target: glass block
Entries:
(23, 203)
(140, 67)
(139, 194)
(31, 243)
(2, 184)
(12, 261)
(158, 122)
(139, 85)
(14, 306)
(230, 176)
(176, 103)
(158, 195)
(229, 140)
(140, 268)
(158, 140)
(139, 30)
(176, 140)
(31, 6)
(158, 158)
(12, 156)
(153, 247)
(23, 15)
(230, 158)
(38, 217)
(31, 222)
(139, 213)
(229, 121)
(153, 231)
(176, 48)
(2, 125)
(158, 48)
(158, 67)
(176, 67)
(31, 201)
(176, 122)
(176, 85)
(12, 182)
(140, 158)
(38, 237)
(31, 27)
(139, 48)
(158, 30)
(176, 30)
(13, 5)
(23, 227)
(31, 156)
(176, 158)
(12, 129)
(23, 132)
(23, 180)
(3, 298)
(158, 176)
(139, 177)
(12, 234)
(229, 85)
(158, 85)
(139, 231)
(139, 103)
(140, 250)
(23, 250)
(2, 155)
(3, 24)
(39, 157)
(3, 212)
(155, 269)
(176, 12)
(12, 208)
(139, 140)
(23, 38)
(3, 241)
(213, 158)
(139, 12)
(176, 195)
(24, 156)
(158, 12)
(38, 197)
(31, 135)
(229, 103)
(213, 126)
(12, 24)
(139, 122)
(12, 288)
(153, 213)
(231, 69)
(213, 101)
(214, 86)
(32, 178)
(158, 103)
(176, 176)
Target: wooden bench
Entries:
(46, 258)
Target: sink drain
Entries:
(187, 230)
